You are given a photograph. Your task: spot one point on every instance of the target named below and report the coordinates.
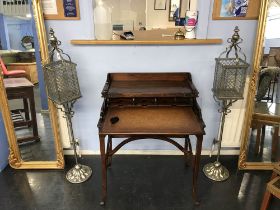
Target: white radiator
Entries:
(64, 134)
(15, 8)
(234, 121)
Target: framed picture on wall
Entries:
(160, 5)
(61, 9)
(236, 9)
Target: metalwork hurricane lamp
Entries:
(228, 87)
(63, 89)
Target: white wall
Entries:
(94, 62)
(128, 11)
(268, 43)
(158, 18)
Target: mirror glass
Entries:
(24, 84)
(174, 9)
(147, 14)
(263, 144)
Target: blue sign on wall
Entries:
(70, 9)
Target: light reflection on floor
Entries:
(265, 151)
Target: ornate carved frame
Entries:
(242, 163)
(15, 160)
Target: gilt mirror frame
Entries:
(15, 160)
(250, 102)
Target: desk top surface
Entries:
(152, 121)
(17, 83)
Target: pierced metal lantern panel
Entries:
(230, 78)
(62, 81)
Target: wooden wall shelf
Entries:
(147, 42)
(149, 37)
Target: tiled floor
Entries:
(134, 183)
(43, 150)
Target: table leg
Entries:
(188, 151)
(266, 199)
(196, 167)
(267, 195)
(33, 112)
(262, 139)
(274, 146)
(103, 168)
(258, 139)
(26, 109)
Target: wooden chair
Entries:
(11, 73)
(272, 188)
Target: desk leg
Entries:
(103, 168)
(109, 149)
(196, 167)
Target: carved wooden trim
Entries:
(13, 159)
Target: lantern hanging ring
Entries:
(55, 43)
(234, 42)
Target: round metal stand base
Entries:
(216, 171)
(78, 174)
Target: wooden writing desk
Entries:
(150, 106)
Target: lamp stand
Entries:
(79, 173)
(216, 171)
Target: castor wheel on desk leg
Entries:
(196, 201)
(102, 203)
